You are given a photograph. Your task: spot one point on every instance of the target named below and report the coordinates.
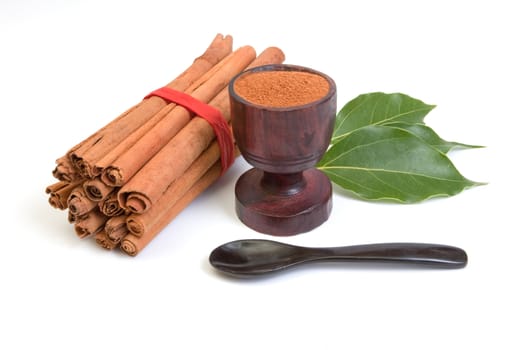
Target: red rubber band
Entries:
(211, 114)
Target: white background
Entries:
(68, 67)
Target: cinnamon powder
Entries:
(281, 88)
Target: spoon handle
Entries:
(414, 253)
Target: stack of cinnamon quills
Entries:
(122, 185)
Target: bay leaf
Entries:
(430, 136)
(378, 162)
(378, 109)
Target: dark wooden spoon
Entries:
(252, 257)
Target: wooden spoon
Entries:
(254, 257)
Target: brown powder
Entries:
(281, 88)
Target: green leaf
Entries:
(378, 109)
(429, 136)
(379, 162)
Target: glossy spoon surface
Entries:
(252, 257)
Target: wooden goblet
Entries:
(284, 194)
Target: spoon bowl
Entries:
(252, 257)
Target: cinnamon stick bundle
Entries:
(88, 152)
(127, 181)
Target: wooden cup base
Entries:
(281, 213)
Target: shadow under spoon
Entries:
(252, 257)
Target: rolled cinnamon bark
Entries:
(78, 203)
(95, 189)
(140, 223)
(65, 170)
(174, 159)
(109, 206)
(94, 148)
(89, 224)
(116, 228)
(132, 245)
(59, 193)
(105, 165)
(70, 217)
(103, 241)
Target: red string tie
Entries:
(211, 114)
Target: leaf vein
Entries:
(357, 147)
(329, 168)
(348, 114)
(354, 182)
(385, 121)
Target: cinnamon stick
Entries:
(140, 223)
(70, 217)
(95, 189)
(132, 245)
(109, 206)
(94, 148)
(102, 240)
(270, 55)
(181, 151)
(122, 170)
(89, 224)
(111, 178)
(116, 229)
(59, 193)
(78, 203)
(65, 170)
(149, 184)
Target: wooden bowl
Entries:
(284, 194)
